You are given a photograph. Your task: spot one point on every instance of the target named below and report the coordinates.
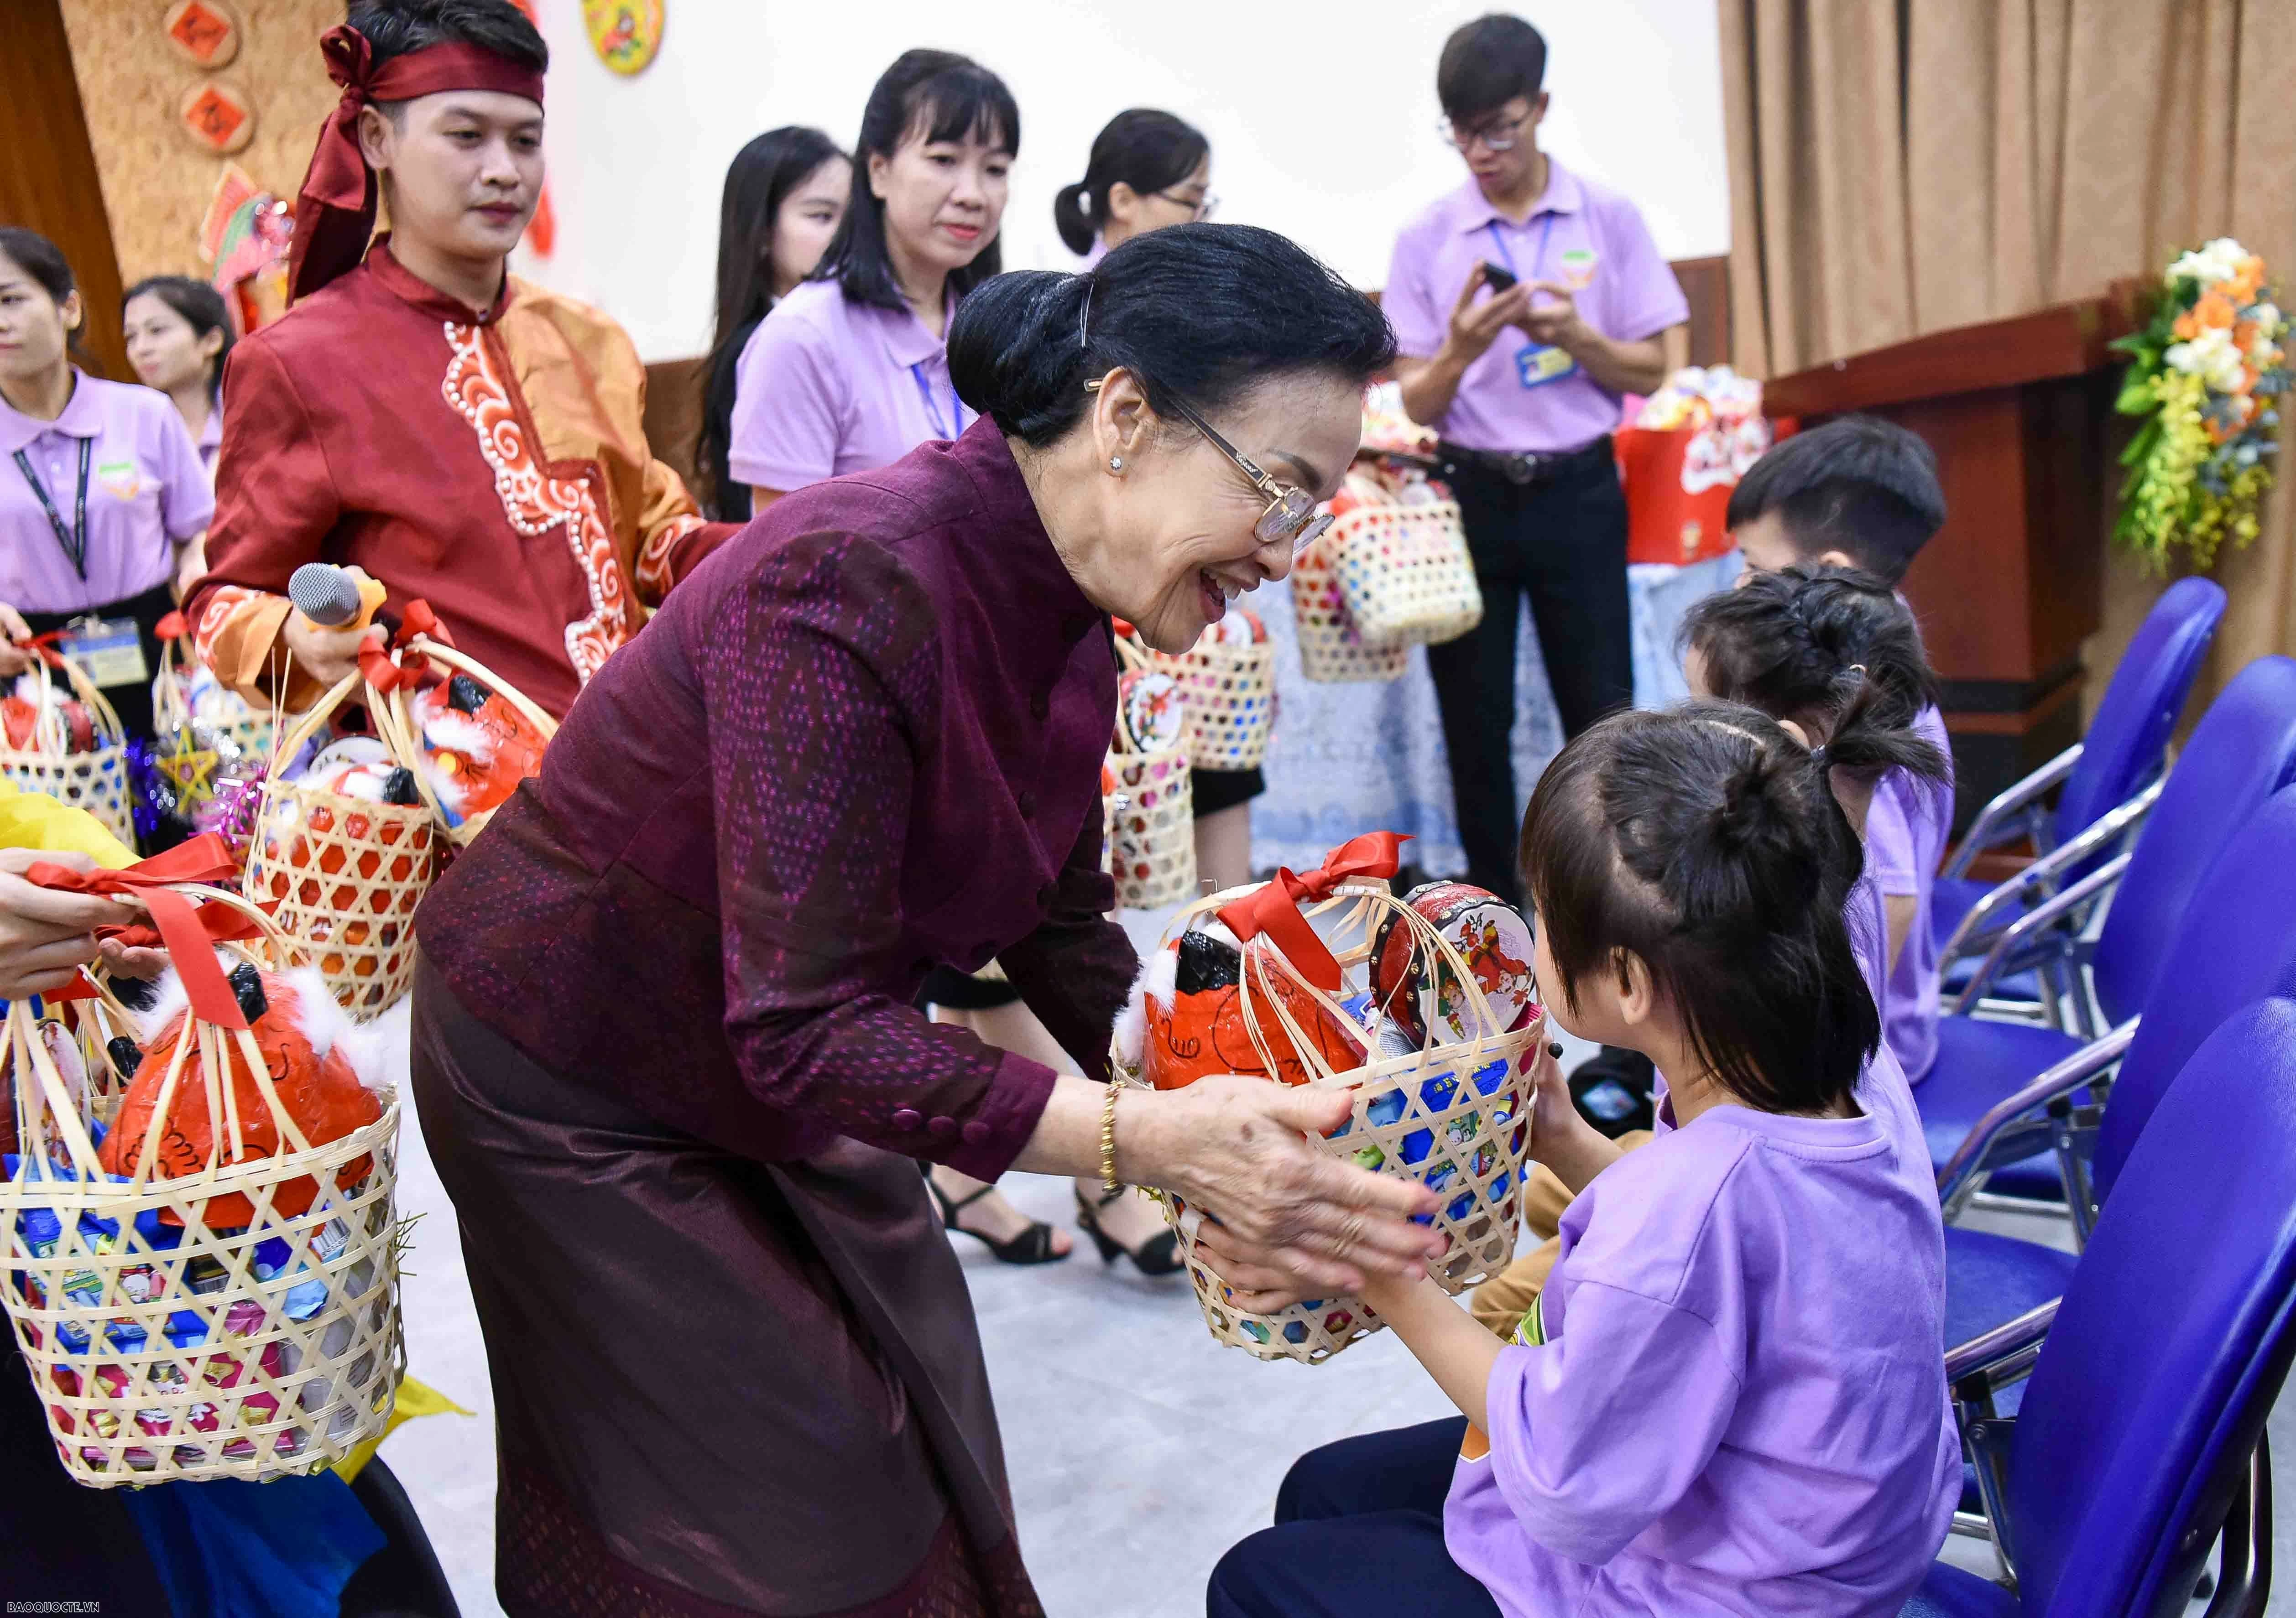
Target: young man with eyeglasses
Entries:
(1522, 372)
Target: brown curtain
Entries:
(1899, 166)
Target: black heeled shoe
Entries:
(1033, 1246)
(1160, 1255)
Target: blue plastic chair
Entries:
(2238, 946)
(2241, 754)
(2092, 778)
(2140, 1440)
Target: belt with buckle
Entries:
(1528, 467)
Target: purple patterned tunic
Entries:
(667, 1061)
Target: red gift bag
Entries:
(1678, 482)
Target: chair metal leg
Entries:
(2244, 1574)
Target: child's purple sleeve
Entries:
(1597, 1433)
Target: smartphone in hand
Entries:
(1497, 276)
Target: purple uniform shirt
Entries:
(209, 442)
(1581, 235)
(1904, 838)
(826, 386)
(1740, 1404)
(146, 494)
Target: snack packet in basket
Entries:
(20, 712)
(1492, 937)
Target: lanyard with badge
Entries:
(955, 426)
(1536, 363)
(109, 651)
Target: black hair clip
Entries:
(1817, 756)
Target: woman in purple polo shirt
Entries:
(178, 337)
(850, 370)
(105, 490)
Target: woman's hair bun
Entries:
(1014, 349)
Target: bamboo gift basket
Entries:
(1401, 555)
(1454, 1116)
(341, 876)
(1229, 692)
(1152, 829)
(249, 729)
(456, 661)
(166, 1349)
(96, 780)
(1333, 649)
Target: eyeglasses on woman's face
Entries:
(1290, 514)
(1496, 135)
(1200, 206)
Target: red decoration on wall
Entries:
(218, 117)
(203, 32)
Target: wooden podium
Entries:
(2017, 411)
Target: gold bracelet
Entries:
(1107, 1181)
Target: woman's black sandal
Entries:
(1033, 1246)
(1160, 1255)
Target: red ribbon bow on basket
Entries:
(388, 666)
(172, 627)
(187, 931)
(1274, 909)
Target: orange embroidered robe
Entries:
(495, 466)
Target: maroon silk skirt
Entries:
(721, 1386)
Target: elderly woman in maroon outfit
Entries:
(664, 1047)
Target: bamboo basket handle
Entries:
(168, 712)
(98, 706)
(285, 744)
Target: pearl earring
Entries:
(1116, 463)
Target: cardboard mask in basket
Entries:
(1421, 1008)
(475, 736)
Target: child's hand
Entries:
(1574, 1149)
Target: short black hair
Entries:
(1258, 305)
(1704, 839)
(1487, 63)
(395, 27)
(1858, 485)
(203, 309)
(1143, 148)
(943, 96)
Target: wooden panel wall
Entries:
(49, 178)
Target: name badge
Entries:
(108, 649)
(1536, 364)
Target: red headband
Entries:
(335, 212)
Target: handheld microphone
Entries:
(335, 597)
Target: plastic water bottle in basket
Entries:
(1420, 1008)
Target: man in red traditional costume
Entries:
(464, 438)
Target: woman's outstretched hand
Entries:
(1292, 1221)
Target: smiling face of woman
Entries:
(943, 200)
(165, 351)
(1179, 518)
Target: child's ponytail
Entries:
(1705, 840)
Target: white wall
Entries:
(1323, 129)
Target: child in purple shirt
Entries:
(1860, 492)
(1731, 1397)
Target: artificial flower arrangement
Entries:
(2207, 373)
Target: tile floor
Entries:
(1139, 1450)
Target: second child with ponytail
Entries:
(1730, 1396)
